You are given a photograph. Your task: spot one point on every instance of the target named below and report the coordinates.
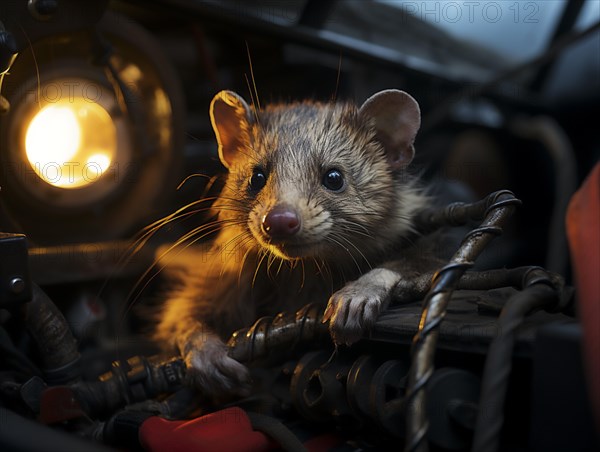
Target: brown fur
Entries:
(243, 276)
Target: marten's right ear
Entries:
(231, 119)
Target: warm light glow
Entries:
(53, 132)
(101, 161)
(71, 143)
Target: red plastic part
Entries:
(229, 430)
(583, 232)
(59, 404)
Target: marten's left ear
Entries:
(231, 119)
(396, 117)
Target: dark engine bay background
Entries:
(522, 118)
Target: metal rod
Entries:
(496, 210)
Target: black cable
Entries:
(538, 293)
(277, 431)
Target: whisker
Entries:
(324, 269)
(226, 245)
(179, 242)
(138, 243)
(270, 262)
(252, 75)
(251, 98)
(330, 238)
(341, 236)
(37, 68)
(356, 225)
(201, 229)
(279, 268)
(264, 255)
(244, 257)
(303, 274)
(237, 241)
(181, 184)
(353, 230)
(141, 241)
(337, 81)
(211, 227)
(140, 289)
(168, 217)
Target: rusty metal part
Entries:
(495, 210)
(270, 334)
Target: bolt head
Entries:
(17, 285)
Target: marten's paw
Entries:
(354, 309)
(209, 370)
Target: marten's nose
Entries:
(281, 222)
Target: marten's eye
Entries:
(257, 180)
(333, 180)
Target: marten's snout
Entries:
(281, 222)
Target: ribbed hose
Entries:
(53, 337)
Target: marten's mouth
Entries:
(291, 250)
(296, 250)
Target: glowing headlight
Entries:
(91, 146)
(71, 143)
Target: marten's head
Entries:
(318, 180)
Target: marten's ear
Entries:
(396, 117)
(231, 118)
